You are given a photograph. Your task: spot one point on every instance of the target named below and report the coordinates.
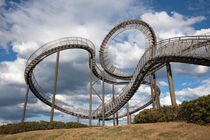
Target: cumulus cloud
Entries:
(180, 69)
(12, 72)
(187, 93)
(122, 51)
(23, 49)
(166, 99)
(190, 69)
(193, 93)
(202, 32)
(167, 26)
(42, 21)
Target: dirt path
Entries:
(156, 131)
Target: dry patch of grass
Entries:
(156, 131)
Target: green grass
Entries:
(42, 125)
(143, 133)
(169, 134)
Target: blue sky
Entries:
(26, 25)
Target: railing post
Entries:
(54, 89)
(103, 97)
(90, 103)
(152, 93)
(25, 104)
(171, 85)
(156, 93)
(113, 100)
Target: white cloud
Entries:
(43, 21)
(4, 122)
(202, 32)
(180, 69)
(189, 69)
(2, 2)
(13, 72)
(24, 49)
(166, 100)
(167, 26)
(193, 93)
(163, 83)
(187, 93)
(38, 106)
(127, 56)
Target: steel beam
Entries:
(171, 85)
(25, 104)
(97, 93)
(55, 85)
(156, 93)
(95, 82)
(152, 93)
(156, 68)
(103, 96)
(113, 100)
(90, 104)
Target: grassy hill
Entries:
(156, 131)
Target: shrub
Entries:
(166, 113)
(195, 111)
(42, 125)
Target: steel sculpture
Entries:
(186, 49)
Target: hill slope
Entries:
(169, 130)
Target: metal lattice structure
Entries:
(187, 49)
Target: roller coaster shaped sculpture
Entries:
(186, 49)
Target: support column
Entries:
(156, 93)
(90, 104)
(55, 84)
(117, 121)
(113, 100)
(103, 97)
(99, 122)
(25, 104)
(128, 116)
(171, 85)
(77, 119)
(152, 93)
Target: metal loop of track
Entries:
(106, 63)
(187, 49)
